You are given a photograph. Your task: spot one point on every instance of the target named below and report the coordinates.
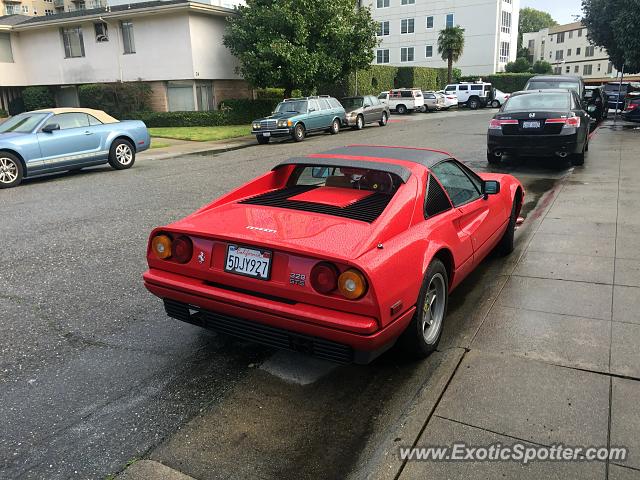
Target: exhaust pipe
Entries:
(562, 154)
(498, 153)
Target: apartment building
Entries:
(568, 50)
(408, 32)
(175, 46)
(46, 7)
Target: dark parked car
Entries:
(569, 82)
(596, 103)
(365, 109)
(632, 110)
(540, 122)
(617, 92)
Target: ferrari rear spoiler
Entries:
(400, 171)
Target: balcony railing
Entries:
(12, 9)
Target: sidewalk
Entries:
(184, 147)
(556, 360)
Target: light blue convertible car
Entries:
(58, 139)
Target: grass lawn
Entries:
(159, 143)
(202, 134)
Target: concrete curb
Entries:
(195, 148)
(151, 470)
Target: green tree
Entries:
(532, 20)
(521, 65)
(450, 47)
(300, 43)
(612, 24)
(542, 67)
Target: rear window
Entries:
(334, 103)
(352, 102)
(613, 88)
(533, 101)
(476, 87)
(342, 177)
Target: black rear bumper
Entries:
(534, 144)
(267, 335)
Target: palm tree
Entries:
(450, 46)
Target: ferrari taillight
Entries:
(161, 246)
(324, 278)
(352, 284)
(182, 249)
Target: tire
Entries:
(359, 123)
(262, 140)
(383, 121)
(492, 159)
(473, 103)
(11, 172)
(299, 132)
(122, 155)
(577, 159)
(401, 109)
(495, 104)
(335, 127)
(420, 339)
(505, 245)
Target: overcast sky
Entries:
(562, 11)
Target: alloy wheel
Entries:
(433, 309)
(124, 155)
(8, 170)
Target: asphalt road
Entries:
(93, 374)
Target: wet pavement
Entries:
(93, 374)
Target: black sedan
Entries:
(540, 123)
(632, 109)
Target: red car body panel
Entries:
(393, 252)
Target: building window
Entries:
(204, 95)
(128, 43)
(589, 51)
(430, 22)
(180, 96)
(610, 68)
(587, 69)
(506, 22)
(25, 8)
(559, 54)
(428, 51)
(406, 54)
(407, 25)
(576, 69)
(568, 69)
(504, 52)
(73, 42)
(568, 52)
(531, 45)
(102, 32)
(407, 2)
(580, 32)
(48, 11)
(382, 3)
(382, 55)
(578, 50)
(557, 70)
(560, 38)
(6, 54)
(571, 34)
(598, 67)
(383, 28)
(450, 20)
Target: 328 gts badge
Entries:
(297, 279)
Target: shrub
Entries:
(3, 113)
(542, 67)
(521, 65)
(117, 99)
(242, 110)
(36, 98)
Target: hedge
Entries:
(117, 99)
(507, 82)
(231, 112)
(36, 98)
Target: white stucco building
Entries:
(568, 50)
(408, 32)
(175, 46)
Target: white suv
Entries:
(404, 100)
(474, 95)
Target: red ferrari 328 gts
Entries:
(338, 254)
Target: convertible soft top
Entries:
(372, 157)
(99, 114)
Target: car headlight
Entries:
(256, 125)
(284, 123)
(351, 114)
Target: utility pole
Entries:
(615, 117)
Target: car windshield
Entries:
(352, 102)
(23, 123)
(347, 177)
(545, 101)
(299, 106)
(545, 84)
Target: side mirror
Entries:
(311, 109)
(490, 187)
(50, 128)
(367, 105)
(592, 108)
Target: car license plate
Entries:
(250, 262)
(531, 124)
(266, 134)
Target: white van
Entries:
(404, 100)
(473, 95)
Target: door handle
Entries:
(88, 133)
